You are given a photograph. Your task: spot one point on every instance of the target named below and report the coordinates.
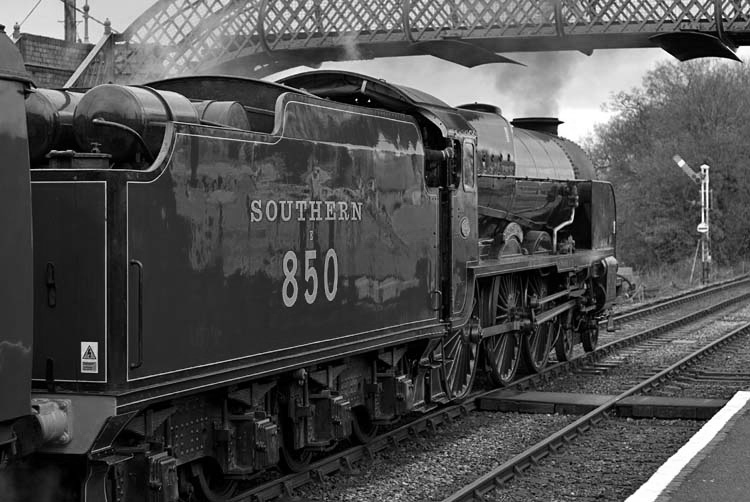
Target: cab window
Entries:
(469, 167)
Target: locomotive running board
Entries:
(563, 263)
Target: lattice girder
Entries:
(176, 37)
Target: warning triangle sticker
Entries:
(89, 354)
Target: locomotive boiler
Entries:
(231, 274)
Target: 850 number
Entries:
(290, 287)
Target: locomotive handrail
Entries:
(139, 362)
(123, 127)
(560, 227)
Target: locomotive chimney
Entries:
(547, 125)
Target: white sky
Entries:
(582, 83)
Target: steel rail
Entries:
(655, 305)
(558, 369)
(531, 457)
(344, 460)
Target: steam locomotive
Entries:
(229, 274)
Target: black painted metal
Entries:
(372, 240)
(70, 259)
(686, 45)
(16, 337)
(211, 232)
(207, 222)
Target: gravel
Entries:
(608, 463)
(429, 468)
(620, 371)
(717, 376)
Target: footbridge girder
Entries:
(257, 37)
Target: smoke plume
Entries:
(536, 88)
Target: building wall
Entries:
(50, 61)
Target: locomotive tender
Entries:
(228, 274)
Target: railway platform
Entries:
(713, 465)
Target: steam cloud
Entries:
(536, 88)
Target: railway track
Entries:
(669, 307)
(718, 377)
(484, 488)
(683, 309)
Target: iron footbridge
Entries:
(259, 37)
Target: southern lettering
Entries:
(305, 210)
